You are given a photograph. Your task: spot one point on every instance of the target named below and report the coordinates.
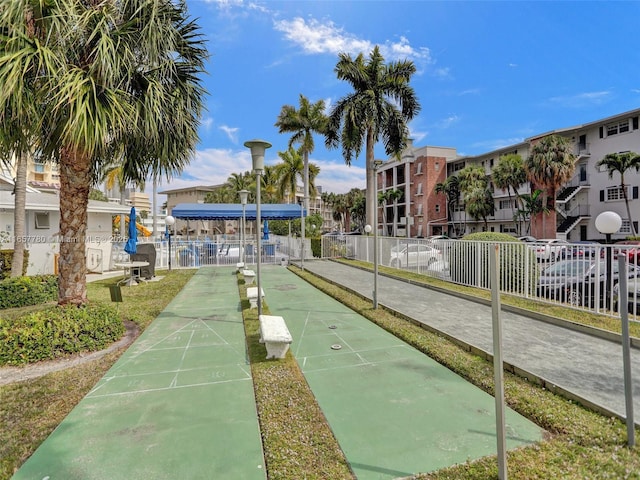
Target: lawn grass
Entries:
(32, 409)
(581, 443)
(297, 440)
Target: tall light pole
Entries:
(608, 223)
(169, 221)
(258, 148)
(376, 166)
(243, 200)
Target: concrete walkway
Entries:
(584, 365)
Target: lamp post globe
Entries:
(258, 147)
(608, 223)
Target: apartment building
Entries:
(412, 207)
(577, 204)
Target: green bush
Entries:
(24, 291)
(6, 257)
(470, 262)
(316, 247)
(58, 331)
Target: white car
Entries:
(548, 249)
(414, 255)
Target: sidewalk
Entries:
(586, 366)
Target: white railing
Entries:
(575, 276)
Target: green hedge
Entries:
(58, 331)
(316, 247)
(6, 257)
(24, 291)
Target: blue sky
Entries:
(489, 74)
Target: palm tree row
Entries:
(550, 165)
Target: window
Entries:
(419, 191)
(505, 204)
(38, 166)
(625, 227)
(419, 168)
(42, 220)
(614, 193)
(616, 128)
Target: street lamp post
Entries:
(608, 223)
(258, 148)
(169, 221)
(376, 165)
(243, 200)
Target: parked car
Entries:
(583, 249)
(528, 239)
(548, 249)
(575, 281)
(414, 255)
(633, 303)
(630, 247)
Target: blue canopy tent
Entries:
(233, 211)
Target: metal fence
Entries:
(193, 253)
(580, 276)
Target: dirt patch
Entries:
(27, 372)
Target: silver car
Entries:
(414, 255)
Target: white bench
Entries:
(240, 266)
(275, 335)
(252, 295)
(249, 276)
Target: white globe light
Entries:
(367, 228)
(608, 222)
(170, 220)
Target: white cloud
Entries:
(449, 121)
(469, 91)
(316, 37)
(581, 99)
(232, 132)
(496, 144)
(214, 166)
(207, 123)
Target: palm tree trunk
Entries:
(372, 204)
(75, 179)
(19, 214)
(626, 203)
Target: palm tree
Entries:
(550, 164)
(451, 188)
(270, 186)
(480, 203)
(531, 206)
(116, 82)
(385, 198)
(509, 174)
(303, 124)
(621, 163)
(290, 170)
(380, 107)
(471, 179)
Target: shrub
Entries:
(316, 247)
(23, 291)
(470, 262)
(6, 257)
(58, 331)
